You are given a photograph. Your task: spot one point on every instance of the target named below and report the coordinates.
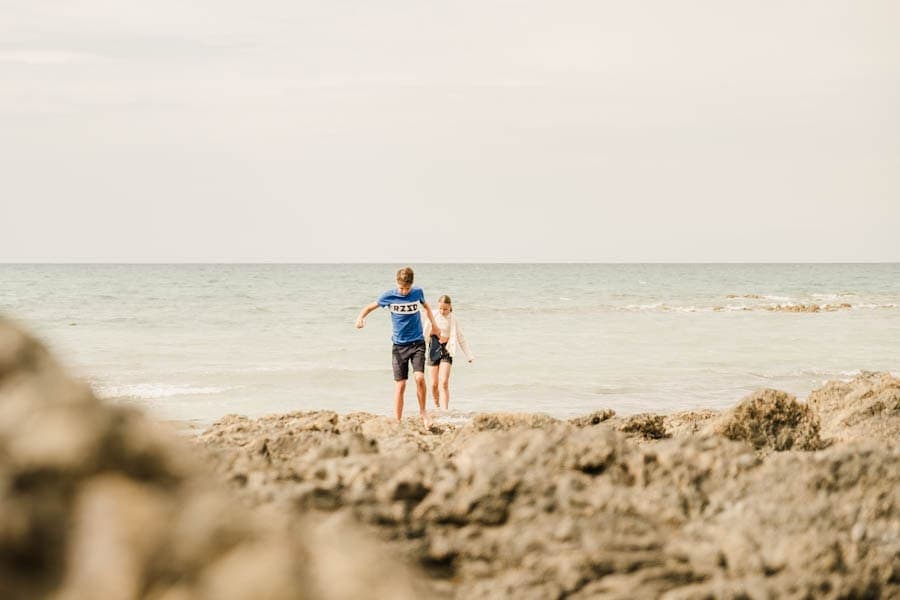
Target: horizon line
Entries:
(440, 262)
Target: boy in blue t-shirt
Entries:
(409, 341)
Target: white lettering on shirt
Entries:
(403, 309)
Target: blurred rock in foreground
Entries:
(773, 498)
(99, 502)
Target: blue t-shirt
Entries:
(404, 314)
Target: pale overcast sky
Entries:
(285, 130)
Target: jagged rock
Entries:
(568, 509)
(690, 422)
(594, 418)
(868, 407)
(772, 420)
(646, 425)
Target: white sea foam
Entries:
(149, 391)
(642, 307)
(299, 367)
(823, 375)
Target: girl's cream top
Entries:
(449, 327)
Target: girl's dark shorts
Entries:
(403, 354)
(437, 353)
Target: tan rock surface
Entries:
(529, 506)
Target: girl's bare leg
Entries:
(433, 375)
(444, 383)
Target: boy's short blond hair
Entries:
(405, 276)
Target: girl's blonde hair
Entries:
(445, 299)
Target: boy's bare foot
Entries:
(426, 421)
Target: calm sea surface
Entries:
(195, 342)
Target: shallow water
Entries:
(195, 342)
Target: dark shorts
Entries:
(437, 353)
(402, 354)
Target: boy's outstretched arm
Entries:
(434, 325)
(361, 319)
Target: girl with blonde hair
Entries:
(440, 355)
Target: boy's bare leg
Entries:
(444, 381)
(399, 390)
(433, 373)
(421, 395)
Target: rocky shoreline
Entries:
(772, 498)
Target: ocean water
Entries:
(196, 342)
